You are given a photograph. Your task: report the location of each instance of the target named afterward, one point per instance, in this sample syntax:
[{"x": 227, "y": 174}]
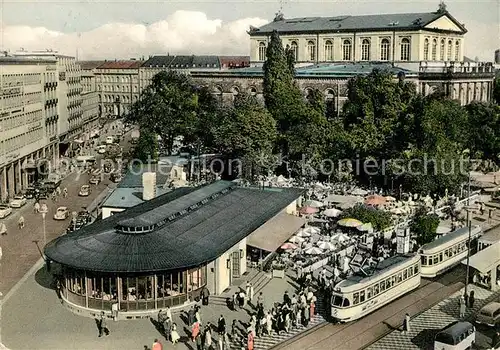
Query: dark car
[
  {"x": 51, "y": 186},
  {"x": 84, "y": 217},
  {"x": 74, "y": 226},
  {"x": 30, "y": 192}
]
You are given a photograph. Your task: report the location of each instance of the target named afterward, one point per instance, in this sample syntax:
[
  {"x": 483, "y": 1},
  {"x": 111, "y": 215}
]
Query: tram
[
  {"x": 359, "y": 295},
  {"x": 444, "y": 253}
]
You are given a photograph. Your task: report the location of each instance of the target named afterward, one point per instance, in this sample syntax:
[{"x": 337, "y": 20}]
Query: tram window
[
  {"x": 405, "y": 275},
  {"x": 436, "y": 259},
  {"x": 424, "y": 260},
  {"x": 369, "y": 293},
  {"x": 346, "y": 303},
  {"x": 362, "y": 296},
  {"x": 415, "y": 268},
  {"x": 440, "y": 256},
  {"x": 382, "y": 286},
  {"x": 375, "y": 289},
  {"x": 446, "y": 253},
  {"x": 399, "y": 277},
  {"x": 410, "y": 271},
  {"x": 356, "y": 298},
  {"x": 388, "y": 283},
  {"x": 337, "y": 300},
  {"x": 393, "y": 281},
  {"x": 454, "y": 250}
]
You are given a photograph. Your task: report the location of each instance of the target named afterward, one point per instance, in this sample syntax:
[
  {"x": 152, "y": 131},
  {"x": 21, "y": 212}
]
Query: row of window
[
  {"x": 113, "y": 98},
  {"x": 117, "y": 79},
  {"x": 435, "y": 259},
  {"x": 452, "y": 50},
  {"x": 21, "y": 140},
  {"x": 117, "y": 88},
  {"x": 384, "y": 52},
  {"x": 32, "y": 97},
  {"x": 14, "y": 121},
  {"x": 377, "y": 288},
  {"x": 12, "y": 101}
]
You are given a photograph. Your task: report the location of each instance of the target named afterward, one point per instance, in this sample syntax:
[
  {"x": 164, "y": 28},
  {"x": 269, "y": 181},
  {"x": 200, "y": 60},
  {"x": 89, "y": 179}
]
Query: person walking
[
  {"x": 65, "y": 192},
  {"x": 174, "y": 335},
  {"x": 197, "y": 315},
  {"x": 199, "y": 342},
  {"x": 260, "y": 299},
  {"x": 471, "y": 299},
  {"x": 221, "y": 325},
  {"x": 250, "y": 340},
  {"x": 114, "y": 311},
  {"x": 3, "y": 229},
  {"x": 462, "y": 307},
  {"x": 103, "y": 325},
  {"x": 36, "y": 208},
  {"x": 157, "y": 345},
  {"x": 205, "y": 293},
  {"x": 406, "y": 324},
  {"x": 167, "y": 328},
  {"x": 208, "y": 338},
  {"x": 195, "y": 330},
  {"x": 20, "y": 222}
]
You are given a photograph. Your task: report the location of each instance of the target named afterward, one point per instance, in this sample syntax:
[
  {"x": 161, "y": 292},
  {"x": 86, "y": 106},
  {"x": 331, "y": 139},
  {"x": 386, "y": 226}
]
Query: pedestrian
[
  {"x": 221, "y": 325},
  {"x": 195, "y": 330},
  {"x": 197, "y": 316},
  {"x": 157, "y": 345},
  {"x": 471, "y": 299},
  {"x": 103, "y": 325},
  {"x": 114, "y": 311},
  {"x": 167, "y": 328},
  {"x": 159, "y": 317},
  {"x": 462, "y": 307},
  {"x": 36, "y": 208},
  {"x": 208, "y": 338},
  {"x": 312, "y": 308},
  {"x": 174, "y": 335},
  {"x": 199, "y": 342},
  {"x": 234, "y": 331},
  {"x": 286, "y": 299},
  {"x": 406, "y": 324},
  {"x": 235, "y": 301},
  {"x": 168, "y": 313},
  {"x": 466, "y": 298},
  {"x": 65, "y": 192},
  {"x": 250, "y": 340},
  {"x": 242, "y": 298},
  {"x": 20, "y": 222},
  {"x": 260, "y": 299},
  {"x": 3, "y": 229},
  {"x": 191, "y": 316},
  {"x": 205, "y": 293}
]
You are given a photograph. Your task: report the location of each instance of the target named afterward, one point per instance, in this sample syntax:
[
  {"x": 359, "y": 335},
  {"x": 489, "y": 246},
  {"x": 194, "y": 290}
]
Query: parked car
[
  {"x": 489, "y": 314},
  {"x": 18, "y": 202},
  {"x": 84, "y": 191},
  {"x": 84, "y": 217},
  {"x": 101, "y": 149},
  {"x": 62, "y": 213},
  {"x": 5, "y": 211},
  {"x": 110, "y": 140},
  {"x": 74, "y": 226},
  {"x": 30, "y": 192}
]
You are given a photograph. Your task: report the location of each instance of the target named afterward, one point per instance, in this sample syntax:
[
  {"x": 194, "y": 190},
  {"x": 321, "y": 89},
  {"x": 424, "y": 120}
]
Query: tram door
[{"x": 236, "y": 265}]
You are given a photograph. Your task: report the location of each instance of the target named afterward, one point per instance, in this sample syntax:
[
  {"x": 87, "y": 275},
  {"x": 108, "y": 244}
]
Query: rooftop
[
  {"x": 457, "y": 234},
  {"x": 192, "y": 226},
  {"x": 127, "y": 197},
  {"x": 121, "y": 64},
  {"x": 380, "y": 22},
  {"x": 89, "y": 65}
]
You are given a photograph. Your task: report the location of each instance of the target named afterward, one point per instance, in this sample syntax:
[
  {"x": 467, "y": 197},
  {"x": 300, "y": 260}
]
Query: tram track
[{"x": 362, "y": 333}]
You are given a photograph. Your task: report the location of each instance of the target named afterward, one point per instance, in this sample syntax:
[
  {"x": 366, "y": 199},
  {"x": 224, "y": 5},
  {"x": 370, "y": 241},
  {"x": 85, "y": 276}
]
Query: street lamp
[
  {"x": 468, "y": 222},
  {"x": 44, "y": 210}
]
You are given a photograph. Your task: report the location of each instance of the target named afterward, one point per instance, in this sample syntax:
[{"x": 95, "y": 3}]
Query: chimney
[{"x": 148, "y": 185}]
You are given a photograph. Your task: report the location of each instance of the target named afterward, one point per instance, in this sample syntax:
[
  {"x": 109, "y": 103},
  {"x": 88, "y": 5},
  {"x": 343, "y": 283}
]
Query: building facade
[
  {"x": 497, "y": 56},
  {"x": 28, "y": 121}
]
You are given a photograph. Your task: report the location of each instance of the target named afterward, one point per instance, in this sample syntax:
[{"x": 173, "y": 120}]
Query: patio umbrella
[
  {"x": 359, "y": 192},
  {"x": 390, "y": 199},
  {"x": 349, "y": 222},
  {"x": 288, "y": 246},
  {"x": 332, "y": 212},
  {"x": 375, "y": 200},
  {"x": 303, "y": 234},
  {"x": 326, "y": 245},
  {"x": 308, "y": 210},
  {"x": 313, "y": 204},
  {"x": 313, "y": 251},
  {"x": 319, "y": 186},
  {"x": 368, "y": 227},
  {"x": 340, "y": 237},
  {"x": 442, "y": 229},
  {"x": 296, "y": 239},
  {"x": 311, "y": 230}
]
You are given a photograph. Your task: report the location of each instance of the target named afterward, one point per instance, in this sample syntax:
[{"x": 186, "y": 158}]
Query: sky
[{"x": 113, "y": 29}]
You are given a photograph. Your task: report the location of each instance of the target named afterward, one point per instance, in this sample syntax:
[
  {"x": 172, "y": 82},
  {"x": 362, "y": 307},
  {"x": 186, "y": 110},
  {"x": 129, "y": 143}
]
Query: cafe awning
[
  {"x": 486, "y": 259},
  {"x": 271, "y": 235}
]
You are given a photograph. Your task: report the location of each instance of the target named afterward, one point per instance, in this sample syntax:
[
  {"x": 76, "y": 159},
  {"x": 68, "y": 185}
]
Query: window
[
  {"x": 434, "y": 50},
  {"x": 375, "y": 290},
  {"x": 441, "y": 50},
  {"x": 262, "y": 52},
  {"x": 405, "y": 49},
  {"x": 356, "y": 299},
  {"x": 369, "y": 293},
  {"x": 405, "y": 274},
  {"x": 365, "y": 50},
  {"x": 346, "y": 50},
  {"x": 382, "y": 286},
  {"x": 426, "y": 49},
  {"x": 450, "y": 47},
  {"x": 384, "y": 50},
  {"x": 295, "y": 49},
  {"x": 424, "y": 260},
  {"x": 415, "y": 269},
  {"x": 400, "y": 277},
  {"x": 436, "y": 259},
  {"x": 311, "y": 51},
  {"x": 328, "y": 50},
  {"x": 362, "y": 296},
  {"x": 457, "y": 51}
]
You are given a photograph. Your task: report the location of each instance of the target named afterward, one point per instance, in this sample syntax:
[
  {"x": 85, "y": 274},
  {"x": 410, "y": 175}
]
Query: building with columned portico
[{"x": 164, "y": 251}]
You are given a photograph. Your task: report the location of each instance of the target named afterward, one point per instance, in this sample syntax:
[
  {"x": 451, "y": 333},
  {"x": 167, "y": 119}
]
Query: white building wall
[
  {"x": 107, "y": 212},
  {"x": 222, "y": 274}
]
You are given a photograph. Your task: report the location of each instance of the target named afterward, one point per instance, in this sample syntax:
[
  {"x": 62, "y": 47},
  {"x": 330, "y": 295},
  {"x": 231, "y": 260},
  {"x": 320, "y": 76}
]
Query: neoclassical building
[{"x": 426, "y": 48}]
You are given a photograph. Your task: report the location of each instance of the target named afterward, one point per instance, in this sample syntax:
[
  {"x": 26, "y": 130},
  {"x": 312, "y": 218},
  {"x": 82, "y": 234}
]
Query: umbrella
[
  {"x": 326, "y": 245},
  {"x": 332, "y": 212},
  {"x": 296, "y": 239},
  {"x": 303, "y": 234},
  {"x": 288, "y": 245},
  {"x": 311, "y": 230},
  {"x": 375, "y": 200},
  {"x": 349, "y": 222},
  {"x": 368, "y": 227},
  {"x": 319, "y": 186},
  {"x": 359, "y": 192},
  {"x": 442, "y": 229},
  {"x": 390, "y": 199},
  {"x": 313, "y": 251},
  {"x": 340, "y": 237},
  {"x": 308, "y": 210},
  {"x": 315, "y": 219},
  {"x": 397, "y": 211},
  {"x": 313, "y": 204}
]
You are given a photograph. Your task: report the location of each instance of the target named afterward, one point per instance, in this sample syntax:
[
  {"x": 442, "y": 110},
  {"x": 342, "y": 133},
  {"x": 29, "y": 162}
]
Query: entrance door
[{"x": 236, "y": 265}]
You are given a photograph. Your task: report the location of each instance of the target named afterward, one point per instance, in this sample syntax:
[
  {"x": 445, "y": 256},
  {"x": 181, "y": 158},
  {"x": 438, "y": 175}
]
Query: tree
[
  {"x": 246, "y": 133},
  {"x": 379, "y": 219},
  {"x": 168, "y": 107},
  {"x": 146, "y": 148},
  {"x": 496, "y": 89},
  {"x": 424, "y": 225},
  {"x": 483, "y": 130}
]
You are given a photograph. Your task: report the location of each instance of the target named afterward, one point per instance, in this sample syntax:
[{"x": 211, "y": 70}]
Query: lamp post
[
  {"x": 469, "y": 225},
  {"x": 44, "y": 210}
]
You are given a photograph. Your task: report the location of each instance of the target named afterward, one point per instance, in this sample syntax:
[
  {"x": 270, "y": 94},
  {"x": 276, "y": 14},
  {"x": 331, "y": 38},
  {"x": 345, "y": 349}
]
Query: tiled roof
[
  {"x": 158, "y": 61},
  {"x": 197, "y": 235},
  {"x": 121, "y": 64},
  {"x": 390, "y": 22},
  {"x": 234, "y": 61},
  {"x": 89, "y": 65},
  {"x": 195, "y": 62}
]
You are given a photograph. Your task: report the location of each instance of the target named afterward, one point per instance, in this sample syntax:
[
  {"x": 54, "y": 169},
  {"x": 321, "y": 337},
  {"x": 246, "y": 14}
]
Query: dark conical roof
[{"x": 181, "y": 229}]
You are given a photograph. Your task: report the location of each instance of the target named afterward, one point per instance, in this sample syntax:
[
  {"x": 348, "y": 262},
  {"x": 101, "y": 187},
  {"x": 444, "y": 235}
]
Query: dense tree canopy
[
  {"x": 380, "y": 219},
  {"x": 424, "y": 226}
]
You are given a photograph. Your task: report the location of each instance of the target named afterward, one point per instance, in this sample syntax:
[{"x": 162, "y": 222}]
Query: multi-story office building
[
  {"x": 117, "y": 86},
  {"x": 90, "y": 98},
  {"x": 28, "y": 121}
]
